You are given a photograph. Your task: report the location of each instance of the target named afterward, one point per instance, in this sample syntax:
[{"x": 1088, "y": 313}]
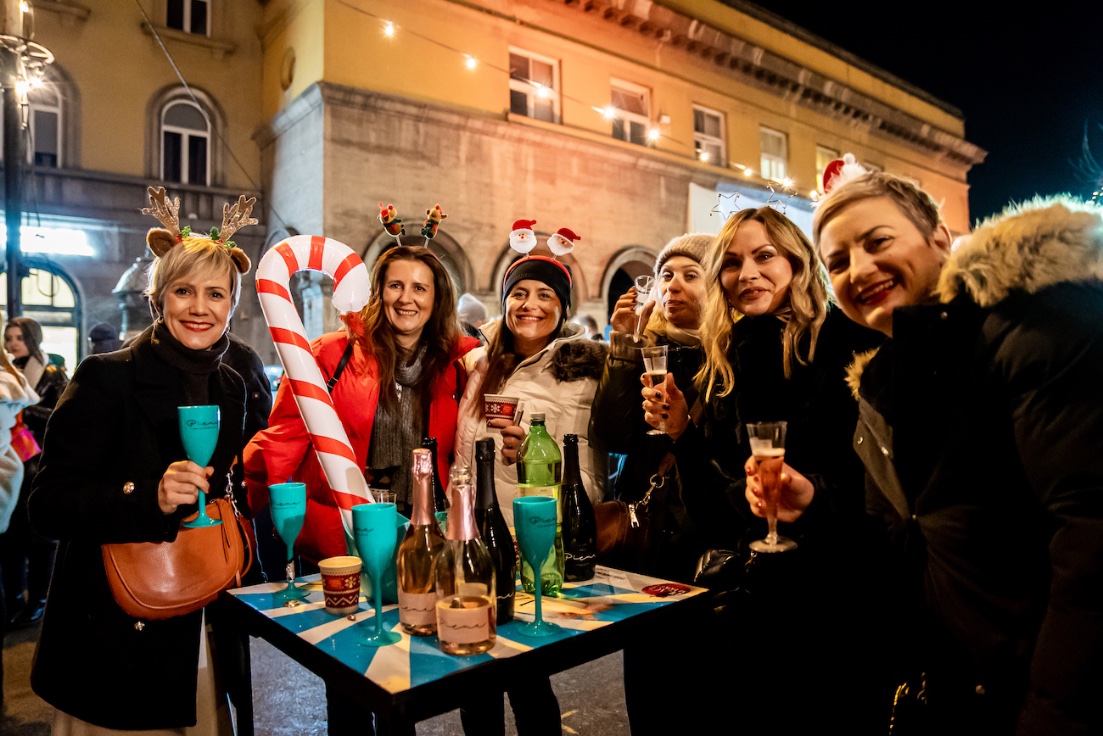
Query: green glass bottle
[{"x": 540, "y": 473}]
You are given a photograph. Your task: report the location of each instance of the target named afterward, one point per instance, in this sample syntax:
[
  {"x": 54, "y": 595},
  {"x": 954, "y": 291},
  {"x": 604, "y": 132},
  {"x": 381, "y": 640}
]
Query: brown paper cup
[{"x": 341, "y": 584}]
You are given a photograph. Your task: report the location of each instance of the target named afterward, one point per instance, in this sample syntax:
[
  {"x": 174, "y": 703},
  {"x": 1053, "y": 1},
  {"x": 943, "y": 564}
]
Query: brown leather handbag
[
  {"x": 624, "y": 529},
  {"x": 159, "y": 580}
]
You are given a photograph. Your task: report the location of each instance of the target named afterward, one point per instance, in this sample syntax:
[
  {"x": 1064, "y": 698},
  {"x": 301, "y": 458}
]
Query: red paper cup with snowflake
[{"x": 496, "y": 406}]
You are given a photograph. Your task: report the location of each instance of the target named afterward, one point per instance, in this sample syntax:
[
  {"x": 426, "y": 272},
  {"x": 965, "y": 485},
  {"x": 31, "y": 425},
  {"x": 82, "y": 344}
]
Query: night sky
[{"x": 1029, "y": 83}]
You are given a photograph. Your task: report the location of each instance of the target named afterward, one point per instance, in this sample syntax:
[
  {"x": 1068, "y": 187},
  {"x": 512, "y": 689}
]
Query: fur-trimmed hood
[{"x": 1029, "y": 246}]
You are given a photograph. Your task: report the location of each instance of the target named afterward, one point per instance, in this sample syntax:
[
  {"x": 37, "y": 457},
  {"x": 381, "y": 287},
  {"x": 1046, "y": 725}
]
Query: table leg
[
  {"x": 347, "y": 718},
  {"x": 244, "y": 703}
]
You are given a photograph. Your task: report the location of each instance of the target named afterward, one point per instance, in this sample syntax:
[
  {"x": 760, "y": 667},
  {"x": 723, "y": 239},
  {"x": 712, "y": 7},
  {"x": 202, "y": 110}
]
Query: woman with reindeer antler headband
[
  {"x": 113, "y": 470},
  {"x": 395, "y": 374},
  {"x": 776, "y": 348}
]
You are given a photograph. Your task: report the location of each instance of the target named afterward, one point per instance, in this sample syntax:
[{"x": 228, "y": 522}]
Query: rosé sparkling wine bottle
[
  {"x": 464, "y": 573},
  {"x": 417, "y": 597}
]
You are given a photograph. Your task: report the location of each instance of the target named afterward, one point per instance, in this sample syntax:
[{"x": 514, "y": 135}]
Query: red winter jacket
[{"x": 283, "y": 451}]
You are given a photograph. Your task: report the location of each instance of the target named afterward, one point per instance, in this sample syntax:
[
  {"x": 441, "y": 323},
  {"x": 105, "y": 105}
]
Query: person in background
[
  {"x": 472, "y": 314},
  {"x": 589, "y": 324},
  {"x": 401, "y": 381},
  {"x": 104, "y": 338},
  {"x": 776, "y": 349},
  {"x": 28, "y": 556},
  {"x": 981, "y": 430},
  {"x": 15, "y": 395},
  {"x": 532, "y": 353},
  {"x": 114, "y": 469}
]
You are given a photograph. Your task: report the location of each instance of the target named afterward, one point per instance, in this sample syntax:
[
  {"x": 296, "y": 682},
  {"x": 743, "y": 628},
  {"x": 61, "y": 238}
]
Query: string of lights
[{"x": 389, "y": 29}]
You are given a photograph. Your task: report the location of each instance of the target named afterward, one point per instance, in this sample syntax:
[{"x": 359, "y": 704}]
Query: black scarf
[{"x": 196, "y": 366}]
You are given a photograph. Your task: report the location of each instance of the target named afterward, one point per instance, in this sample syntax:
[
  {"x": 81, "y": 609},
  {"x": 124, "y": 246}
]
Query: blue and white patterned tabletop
[{"x": 611, "y": 596}]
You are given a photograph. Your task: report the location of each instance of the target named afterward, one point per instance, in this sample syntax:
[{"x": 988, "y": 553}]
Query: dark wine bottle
[
  {"x": 494, "y": 530},
  {"x": 579, "y": 524},
  {"x": 439, "y": 500}
]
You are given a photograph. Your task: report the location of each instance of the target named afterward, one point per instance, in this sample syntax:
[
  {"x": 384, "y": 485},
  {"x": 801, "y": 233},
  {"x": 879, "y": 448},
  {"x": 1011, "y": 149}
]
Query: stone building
[{"x": 627, "y": 121}]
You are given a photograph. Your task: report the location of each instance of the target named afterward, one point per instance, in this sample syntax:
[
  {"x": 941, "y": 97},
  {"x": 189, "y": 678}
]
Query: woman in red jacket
[{"x": 401, "y": 381}]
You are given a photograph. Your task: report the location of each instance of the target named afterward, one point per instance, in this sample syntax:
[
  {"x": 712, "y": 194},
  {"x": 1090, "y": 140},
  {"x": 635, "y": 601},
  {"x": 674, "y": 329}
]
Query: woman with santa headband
[{"x": 536, "y": 355}]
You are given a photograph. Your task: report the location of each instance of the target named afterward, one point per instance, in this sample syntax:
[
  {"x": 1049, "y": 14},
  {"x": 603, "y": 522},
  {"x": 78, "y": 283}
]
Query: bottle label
[
  {"x": 464, "y": 619},
  {"x": 416, "y": 609}
]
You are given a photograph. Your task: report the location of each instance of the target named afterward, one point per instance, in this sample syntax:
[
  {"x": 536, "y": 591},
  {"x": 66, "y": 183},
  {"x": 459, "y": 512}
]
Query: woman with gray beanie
[{"x": 617, "y": 426}]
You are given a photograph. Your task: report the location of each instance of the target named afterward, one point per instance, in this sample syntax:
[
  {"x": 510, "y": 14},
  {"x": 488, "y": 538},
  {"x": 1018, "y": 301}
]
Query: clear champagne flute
[
  {"x": 373, "y": 526},
  {"x": 768, "y": 447},
  {"x": 288, "y": 504},
  {"x": 644, "y": 285},
  {"x": 199, "y": 433},
  {"x": 654, "y": 367},
  {"x": 534, "y": 520}
]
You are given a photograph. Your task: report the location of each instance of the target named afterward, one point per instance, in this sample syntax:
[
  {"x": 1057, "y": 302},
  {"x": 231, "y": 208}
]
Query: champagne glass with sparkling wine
[
  {"x": 654, "y": 367},
  {"x": 199, "y": 433},
  {"x": 768, "y": 447},
  {"x": 288, "y": 504},
  {"x": 644, "y": 285},
  {"x": 534, "y": 518},
  {"x": 373, "y": 527}
]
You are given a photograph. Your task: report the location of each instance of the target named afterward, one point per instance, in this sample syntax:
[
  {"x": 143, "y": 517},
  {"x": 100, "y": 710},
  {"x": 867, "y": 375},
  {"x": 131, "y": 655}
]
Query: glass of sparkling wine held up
[
  {"x": 654, "y": 367},
  {"x": 768, "y": 447},
  {"x": 644, "y": 285}
]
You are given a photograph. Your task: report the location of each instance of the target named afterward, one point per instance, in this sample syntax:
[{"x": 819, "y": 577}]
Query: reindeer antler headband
[{"x": 162, "y": 240}]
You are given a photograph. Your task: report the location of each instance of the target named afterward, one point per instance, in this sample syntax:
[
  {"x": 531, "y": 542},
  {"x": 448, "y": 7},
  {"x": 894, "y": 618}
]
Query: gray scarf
[{"x": 395, "y": 436}]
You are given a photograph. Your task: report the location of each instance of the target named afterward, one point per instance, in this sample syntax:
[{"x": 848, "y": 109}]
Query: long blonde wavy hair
[{"x": 804, "y": 308}]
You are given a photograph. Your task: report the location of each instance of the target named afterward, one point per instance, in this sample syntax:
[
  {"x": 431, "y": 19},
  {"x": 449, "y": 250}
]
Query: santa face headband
[{"x": 550, "y": 271}]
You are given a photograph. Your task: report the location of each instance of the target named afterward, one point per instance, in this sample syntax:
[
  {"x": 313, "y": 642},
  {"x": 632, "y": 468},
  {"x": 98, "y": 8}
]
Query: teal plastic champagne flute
[
  {"x": 288, "y": 504},
  {"x": 199, "y": 433},
  {"x": 534, "y": 519},
  {"x": 373, "y": 528}
]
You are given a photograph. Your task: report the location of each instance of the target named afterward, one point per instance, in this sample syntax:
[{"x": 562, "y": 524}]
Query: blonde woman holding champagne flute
[{"x": 776, "y": 350}]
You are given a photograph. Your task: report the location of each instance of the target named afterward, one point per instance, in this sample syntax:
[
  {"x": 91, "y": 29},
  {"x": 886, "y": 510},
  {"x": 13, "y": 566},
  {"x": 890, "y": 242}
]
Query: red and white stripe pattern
[{"x": 351, "y": 289}]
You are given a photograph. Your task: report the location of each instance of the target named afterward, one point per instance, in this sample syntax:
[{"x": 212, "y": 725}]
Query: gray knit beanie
[{"x": 691, "y": 245}]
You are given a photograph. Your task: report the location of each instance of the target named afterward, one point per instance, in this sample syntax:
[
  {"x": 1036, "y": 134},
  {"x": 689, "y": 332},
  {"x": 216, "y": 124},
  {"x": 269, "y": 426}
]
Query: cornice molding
[{"x": 765, "y": 70}]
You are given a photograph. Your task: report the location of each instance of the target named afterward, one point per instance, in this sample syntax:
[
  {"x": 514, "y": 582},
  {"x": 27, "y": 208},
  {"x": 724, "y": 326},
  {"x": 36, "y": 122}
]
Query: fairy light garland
[{"x": 607, "y": 111}]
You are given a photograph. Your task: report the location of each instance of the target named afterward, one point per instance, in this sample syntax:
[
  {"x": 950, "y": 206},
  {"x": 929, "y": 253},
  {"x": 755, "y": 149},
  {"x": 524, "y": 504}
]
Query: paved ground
[{"x": 591, "y": 697}]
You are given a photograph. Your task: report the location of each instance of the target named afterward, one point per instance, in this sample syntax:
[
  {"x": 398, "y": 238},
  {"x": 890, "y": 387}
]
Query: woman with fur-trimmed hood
[{"x": 981, "y": 426}]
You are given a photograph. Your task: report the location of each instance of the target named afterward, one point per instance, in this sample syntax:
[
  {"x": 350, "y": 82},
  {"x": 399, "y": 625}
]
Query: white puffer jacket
[
  {"x": 16, "y": 394},
  {"x": 559, "y": 381}
]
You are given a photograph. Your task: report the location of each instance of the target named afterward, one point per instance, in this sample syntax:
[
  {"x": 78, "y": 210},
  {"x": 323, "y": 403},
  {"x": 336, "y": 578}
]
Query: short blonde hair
[
  {"x": 198, "y": 257},
  {"x": 916, "y": 204}
]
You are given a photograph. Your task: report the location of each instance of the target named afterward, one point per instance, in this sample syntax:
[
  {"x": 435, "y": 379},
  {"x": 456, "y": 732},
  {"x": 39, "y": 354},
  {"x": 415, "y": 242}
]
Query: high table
[{"x": 414, "y": 680}]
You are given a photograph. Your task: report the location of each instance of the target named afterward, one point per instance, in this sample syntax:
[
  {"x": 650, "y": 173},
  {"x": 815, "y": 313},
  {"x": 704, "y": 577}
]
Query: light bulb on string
[
  {"x": 470, "y": 61},
  {"x": 653, "y": 134},
  {"x": 609, "y": 112},
  {"x": 388, "y": 29}
]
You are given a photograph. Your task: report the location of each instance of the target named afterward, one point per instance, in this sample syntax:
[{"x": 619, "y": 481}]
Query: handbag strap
[{"x": 340, "y": 367}]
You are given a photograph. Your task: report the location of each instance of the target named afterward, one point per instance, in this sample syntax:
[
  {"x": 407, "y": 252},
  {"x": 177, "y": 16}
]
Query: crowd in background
[{"x": 941, "y": 478}]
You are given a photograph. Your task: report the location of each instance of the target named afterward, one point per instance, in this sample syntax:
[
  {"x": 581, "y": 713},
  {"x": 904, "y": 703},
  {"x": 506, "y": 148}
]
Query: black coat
[
  {"x": 116, "y": 425},
  {"x": 617, "y": 426},
  {"x": 801, "y": 616}
]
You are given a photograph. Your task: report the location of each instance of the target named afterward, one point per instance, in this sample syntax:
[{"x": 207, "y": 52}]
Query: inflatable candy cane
[{"x": 351, "y": 289}]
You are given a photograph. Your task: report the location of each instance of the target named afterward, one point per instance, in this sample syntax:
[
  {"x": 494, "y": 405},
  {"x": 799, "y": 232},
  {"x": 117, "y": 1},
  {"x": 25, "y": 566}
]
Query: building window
[
  {"x": 824, "y": 156},
  {"x": 775, "y": 154},
  {"x": 45, "y": 128},
  {"x": 708, "y": 136},
  {"x": 190, "y": 16},
  {"x": 631, "y": 112},
  {"x": 185, "y": 144},
  {"x": 533, "y": 86}
]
